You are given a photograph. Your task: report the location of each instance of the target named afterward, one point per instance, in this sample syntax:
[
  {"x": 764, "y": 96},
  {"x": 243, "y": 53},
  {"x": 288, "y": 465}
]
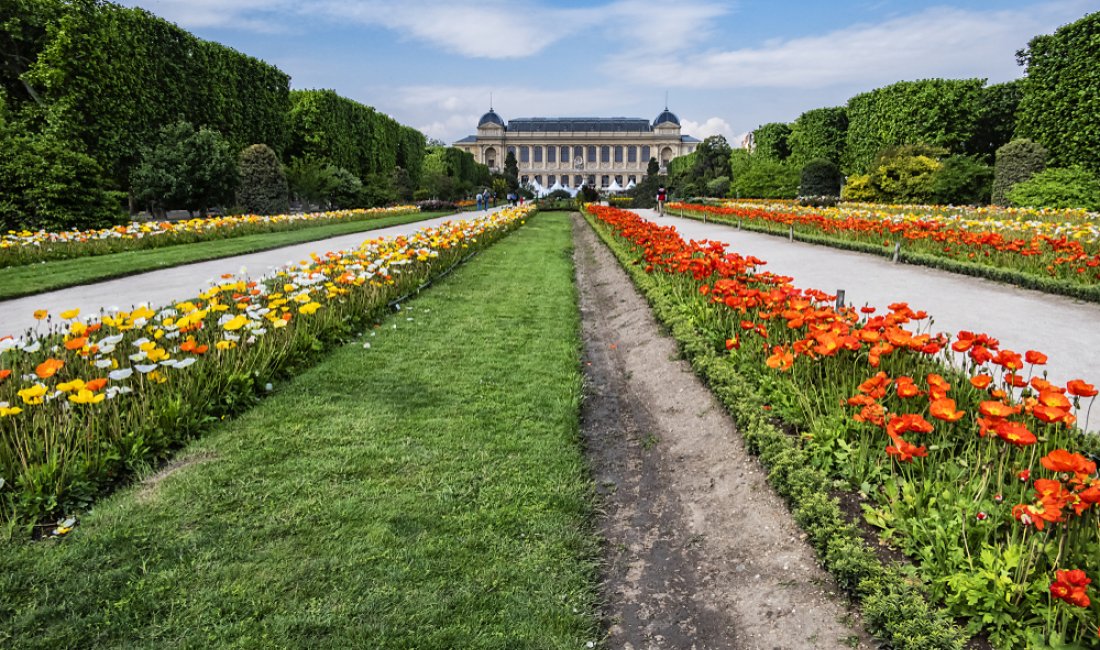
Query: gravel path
[
  {"x": 1067, "y": 330},
  {"x": 700, "y": 553},
  {"x": 182, "y": 282}
]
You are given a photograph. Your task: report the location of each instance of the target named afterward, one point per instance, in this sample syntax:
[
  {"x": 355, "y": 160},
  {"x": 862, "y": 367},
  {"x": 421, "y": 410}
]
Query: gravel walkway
[
  {"x": 182, "y": 282},
  {"x": 1067, "y": 330}
]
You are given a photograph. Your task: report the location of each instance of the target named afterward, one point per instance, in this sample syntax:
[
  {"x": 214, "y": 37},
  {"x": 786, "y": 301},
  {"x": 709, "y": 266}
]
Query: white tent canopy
[{"x": 614, "y": 187}]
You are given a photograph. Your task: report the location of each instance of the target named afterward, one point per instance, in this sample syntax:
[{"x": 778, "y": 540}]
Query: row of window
[
  {"x": 528, "y": 154},
  {"x": 578, "y": 180}
]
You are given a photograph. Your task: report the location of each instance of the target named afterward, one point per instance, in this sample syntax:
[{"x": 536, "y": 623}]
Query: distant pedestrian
[
  {"x": 662, "y": 196},
  {"x": 478, "y": 199}
]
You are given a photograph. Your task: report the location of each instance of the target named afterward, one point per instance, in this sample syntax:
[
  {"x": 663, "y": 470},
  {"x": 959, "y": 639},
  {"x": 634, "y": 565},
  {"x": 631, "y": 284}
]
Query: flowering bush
[
  {"x": 85, "y": 401},
  {"x": 29, "y": 247},
  {"x": 1062, "y": 244},
  {"x": 965, "y": 455}
]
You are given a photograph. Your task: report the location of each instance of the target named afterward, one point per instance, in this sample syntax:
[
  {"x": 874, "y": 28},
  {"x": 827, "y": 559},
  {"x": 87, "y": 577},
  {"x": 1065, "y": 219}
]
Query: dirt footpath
[{"x": 700, "y": 552}]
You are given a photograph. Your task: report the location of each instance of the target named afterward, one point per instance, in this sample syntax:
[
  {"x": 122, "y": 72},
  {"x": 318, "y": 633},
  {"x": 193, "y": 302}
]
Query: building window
[
  {"x": 632, "y": 154},
  {"x": 605, "y": 181},
  {"x": 551, "y": 179},
  {"x": 551, "y": 154},
  {"x": 631, "y": 179},
  {"x": 538, "y": 154},
  {"x": 619, "y": 153},
  {"x": 538, "y": 179},
  {"x": 512, "y": 150},
  {"x": 565, "y": 181},
  {"x": 646, "y": 155},
  {"x": 525, "y": 154},
  {"x": 592, "y": 180},
  {"x": 578, "y": 181},
  {"x": 619, "y": 180},
  {"x": 605, "y": 154},
  {"x": 591, "y": 154},
  {"x": 578, "y": 153},
  {"x": 523, "y": 179},
  {"x": 565, "y": 154}
]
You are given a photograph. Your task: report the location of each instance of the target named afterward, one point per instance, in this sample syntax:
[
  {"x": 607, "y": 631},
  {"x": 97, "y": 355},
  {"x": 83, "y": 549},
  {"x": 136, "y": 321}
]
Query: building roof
[
  {"x": 688, "y": 138},
  {"x": 470, "y": 139},
  {"x": 666, "y": 116},
  {"x": 490, "y": 118},
  {"x": 578, "y": 124}
]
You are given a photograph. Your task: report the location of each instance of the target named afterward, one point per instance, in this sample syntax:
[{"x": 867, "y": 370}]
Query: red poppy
[
  {"x": 1035, "y": 358},
  {"x": 981, "y": 382},
  {"x": 1061, "y": 460},
  {"x": 1014, "y": 433},
  {"x": 904, "y": 451},
  {"x": 1081, "y": 389}
]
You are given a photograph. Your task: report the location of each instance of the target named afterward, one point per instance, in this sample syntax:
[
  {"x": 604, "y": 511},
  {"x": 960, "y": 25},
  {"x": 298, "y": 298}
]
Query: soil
[{"x": 699, "y": 551}]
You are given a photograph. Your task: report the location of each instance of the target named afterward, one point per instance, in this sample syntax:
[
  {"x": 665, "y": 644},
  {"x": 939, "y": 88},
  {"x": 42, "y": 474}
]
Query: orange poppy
[
  {"x": 1081, "y": 389},
  {"x": 944, "y": 409},
  {"x": 905, "y": 451},
  {"x": 1049, "y": 414},
  {"x": 997, "y": 409},
  {"x": 4, "y": 374},
  {"x": 49, "y": 368},
  {"x": 981, "y": 382},
  {"x": 1055, "y": 399},
  {"x": 96, "y": 384},
  {"x": 906, "y": 388},
  {"x": 1014, "y": 433},
  {"x": 1034, "y": 357},
  {"x": 1061, "y": 460},
  {"x": 77, "y": 343}
]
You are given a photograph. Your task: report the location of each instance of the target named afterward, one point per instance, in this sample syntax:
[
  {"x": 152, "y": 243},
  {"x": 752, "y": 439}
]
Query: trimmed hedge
[
  {"x": 819, "y": 133},
  {"x": 894, "y": 607},
  {"x": 772, "y": 141}
]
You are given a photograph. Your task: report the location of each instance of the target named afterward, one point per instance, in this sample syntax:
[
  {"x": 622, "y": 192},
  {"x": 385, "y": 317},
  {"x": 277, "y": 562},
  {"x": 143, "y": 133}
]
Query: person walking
[
  {"x": 478, "y": 199},
  {"x": 662, "y": 196}
]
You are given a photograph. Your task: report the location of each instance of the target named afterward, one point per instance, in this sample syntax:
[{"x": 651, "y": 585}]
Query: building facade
[{"x": 575, "y": 151}]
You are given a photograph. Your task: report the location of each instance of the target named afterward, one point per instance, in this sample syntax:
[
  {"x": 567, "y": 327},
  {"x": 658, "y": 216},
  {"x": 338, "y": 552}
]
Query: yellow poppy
[
  {"x": 71, "y": 313},
  {"x": 85, "y": 396}
]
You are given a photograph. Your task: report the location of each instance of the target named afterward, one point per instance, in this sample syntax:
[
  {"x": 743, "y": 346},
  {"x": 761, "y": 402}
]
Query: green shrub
[
  {"x": 51, "y": 184},
  {"x": 820, "y": 177},
  {"x": 858, "y": 188},
  {"x": 759, "y": 177},
  {"x": 1058, "y": 187},
  {"x": 263, "y": 186},
  {"x": 962, "y": 181},
  {"x": 819, "y": 133},
  {"x": 1016, "y": 162},
  {"x": 186, "y": 169}
]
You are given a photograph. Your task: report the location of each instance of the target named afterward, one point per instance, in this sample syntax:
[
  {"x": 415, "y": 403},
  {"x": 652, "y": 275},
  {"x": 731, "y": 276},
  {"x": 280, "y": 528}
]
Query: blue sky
[{"x": 727, "y": 66}]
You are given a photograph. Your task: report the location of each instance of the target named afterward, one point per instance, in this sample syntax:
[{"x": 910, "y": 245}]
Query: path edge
[{"x": 895, "y": 610}]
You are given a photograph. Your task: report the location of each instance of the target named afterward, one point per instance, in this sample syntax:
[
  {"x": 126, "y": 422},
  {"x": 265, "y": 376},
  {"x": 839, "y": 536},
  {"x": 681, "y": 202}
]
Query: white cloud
[
  {"x": 703, "y": 130},
  {"x": 940, "y": 41},
  {"x": 492, "y": 29}
]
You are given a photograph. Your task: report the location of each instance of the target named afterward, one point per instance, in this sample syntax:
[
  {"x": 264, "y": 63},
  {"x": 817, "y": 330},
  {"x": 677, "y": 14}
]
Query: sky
[{"x": 726, "y": 66}]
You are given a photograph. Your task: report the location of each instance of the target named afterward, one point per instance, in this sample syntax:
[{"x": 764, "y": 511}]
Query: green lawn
[
  {"x": 38, "y": 278},
  {"x": 426, "y": 492}
]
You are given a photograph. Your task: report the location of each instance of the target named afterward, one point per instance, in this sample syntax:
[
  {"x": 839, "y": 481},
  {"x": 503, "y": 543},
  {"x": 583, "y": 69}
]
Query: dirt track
[{"x": 699, "y": 551}]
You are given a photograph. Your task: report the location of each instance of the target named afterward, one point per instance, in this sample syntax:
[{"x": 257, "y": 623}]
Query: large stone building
[{"x": 595, "y": 151}]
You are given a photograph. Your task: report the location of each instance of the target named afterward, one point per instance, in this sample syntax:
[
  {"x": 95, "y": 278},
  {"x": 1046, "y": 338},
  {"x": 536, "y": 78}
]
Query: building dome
[
  {"x": 490, "y": 118},
  {"x": 665, "y": 116}
]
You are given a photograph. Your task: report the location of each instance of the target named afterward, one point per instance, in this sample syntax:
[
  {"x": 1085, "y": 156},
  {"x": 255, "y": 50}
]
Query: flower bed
[
  {"x": 1057, "y": 251},
  {"x": 29, "y": 247},
  {"x": 960, "y": 452},
  {"x": 86, "y": 402}
]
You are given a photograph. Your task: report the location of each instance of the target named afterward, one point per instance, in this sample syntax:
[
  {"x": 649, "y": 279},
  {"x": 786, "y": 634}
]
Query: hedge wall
[
  {"x": 111, "y": 76},
  {"x": 1060, "y": 107},
  {"x": 326, "y": 126},
  {"x": 940, "y": 112},
  {"x": 772, "y": 141},
  {"x": 819, "y": 133}
]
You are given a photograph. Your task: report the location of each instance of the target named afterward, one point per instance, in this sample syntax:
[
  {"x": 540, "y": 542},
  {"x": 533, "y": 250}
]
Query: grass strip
[
  {"x": 428, "y": 492},
  {"x": 994, "y": 273},
  {"x": 895, "y": 609},
  {"x": 31, "y": 279}
]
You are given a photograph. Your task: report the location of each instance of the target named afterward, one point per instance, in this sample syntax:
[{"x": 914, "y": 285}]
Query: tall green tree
[
  {"x": 511, "y": 171},
  {"x": 188, "y": 168},
  {"x": 1060, "y": 107}
]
